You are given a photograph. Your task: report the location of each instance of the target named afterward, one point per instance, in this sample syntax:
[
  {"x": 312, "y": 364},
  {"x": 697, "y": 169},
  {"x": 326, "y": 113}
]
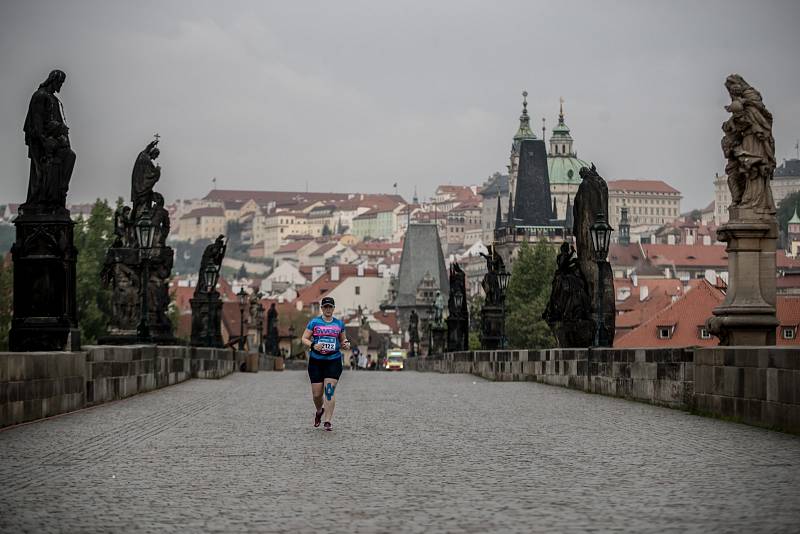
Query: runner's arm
[
  {"x": 306, "y": 339},
  {"x": 343, "y": 340}
]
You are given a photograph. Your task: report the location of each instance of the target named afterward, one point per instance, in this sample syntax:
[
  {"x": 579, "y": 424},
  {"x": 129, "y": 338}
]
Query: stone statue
[
  {"x": 160, "y": 221},
  {"x": 413, "y": 332},
  {"x": 438, "y": 308},
  {"x": 458, "y": 314},
  {"x": 591, "y": 201},
  {"x": 272, "y": 330},
  {"x": 47, "y": 137},
  {"x": 491, "y": 283},
  {"x": 749, "y": 146},
  {"x": 569, "y": 310},
  {"x": 212, "y": 255},
  {"x": 144, "y": 176},
  {"x": 123, "y": 230}
]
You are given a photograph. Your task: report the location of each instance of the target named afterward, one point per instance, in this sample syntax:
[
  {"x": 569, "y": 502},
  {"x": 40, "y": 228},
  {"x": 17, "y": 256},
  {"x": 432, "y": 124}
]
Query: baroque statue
[
  {"x": 413, "y": 332},
  {"x": 272, "y": 331},
  {"x": 143, "y": 178},
  {"x": 749, "y": 147},
  {"x": 490, "y": 282},
  {"x": 212, "y": 256},
  {"x": 591, "y": 201},
  {"x": 52, "y": 158},
  {"x": 569, "y": 310},
  {"x": 458, "y": 314}
]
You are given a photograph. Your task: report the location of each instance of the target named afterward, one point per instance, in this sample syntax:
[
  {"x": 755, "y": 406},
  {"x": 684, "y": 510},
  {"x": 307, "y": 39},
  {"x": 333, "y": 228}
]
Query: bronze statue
[
  {"x": 749, "y": 146},
  {"x": 413, "y": 333},
  {"x": 143, "y": 178},
  {"x": 438, "y": 308},
  {"x": 47, "y": 137},
  {"x": 122, "y": 228},
  {"x": 569, "y": 310}
]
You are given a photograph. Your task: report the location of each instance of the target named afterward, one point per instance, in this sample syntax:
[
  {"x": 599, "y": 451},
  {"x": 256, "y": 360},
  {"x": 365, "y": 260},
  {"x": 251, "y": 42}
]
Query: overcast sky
[{"x": 354, "y": 96}]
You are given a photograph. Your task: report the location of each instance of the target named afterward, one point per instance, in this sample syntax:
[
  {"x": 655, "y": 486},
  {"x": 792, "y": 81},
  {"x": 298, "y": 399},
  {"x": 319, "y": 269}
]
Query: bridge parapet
[{"x": 754, "y": 385}]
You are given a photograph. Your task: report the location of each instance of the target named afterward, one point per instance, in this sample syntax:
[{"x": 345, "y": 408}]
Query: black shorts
[{"x": 319, "y": 370}]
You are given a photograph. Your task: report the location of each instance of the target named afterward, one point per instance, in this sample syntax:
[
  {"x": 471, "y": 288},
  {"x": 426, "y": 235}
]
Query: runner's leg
[
  {"x": 317, "y": 394},
  {"x": 329, "y": 398}
]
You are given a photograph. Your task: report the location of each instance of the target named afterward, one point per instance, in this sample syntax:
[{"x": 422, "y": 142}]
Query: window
[
  {"x": 664, "y": 332},
  {"x": 704, "y": 333},
  {"x": 358, "y": 290},
  {"x": 788, "y": 333}
]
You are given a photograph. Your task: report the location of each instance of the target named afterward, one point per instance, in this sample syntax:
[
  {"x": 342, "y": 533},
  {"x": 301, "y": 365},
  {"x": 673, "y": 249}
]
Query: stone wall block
[
  {"x": 755, "y": 383},
  {"x": 745, "y": 357},
  {"x": 688, "y": 371},
  {"x": 772, "y": 385},
  {"x": 643, "y": 370}
]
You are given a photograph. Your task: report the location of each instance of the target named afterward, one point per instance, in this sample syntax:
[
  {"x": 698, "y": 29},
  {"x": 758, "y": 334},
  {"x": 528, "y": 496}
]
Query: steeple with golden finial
[{"x": 524, "y": 131}]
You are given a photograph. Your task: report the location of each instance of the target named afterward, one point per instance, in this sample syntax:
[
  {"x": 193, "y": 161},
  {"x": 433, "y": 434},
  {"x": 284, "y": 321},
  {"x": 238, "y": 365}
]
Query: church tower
[
  {"x": 624, "y": 227},
  {"x": 524, "y": 133}
]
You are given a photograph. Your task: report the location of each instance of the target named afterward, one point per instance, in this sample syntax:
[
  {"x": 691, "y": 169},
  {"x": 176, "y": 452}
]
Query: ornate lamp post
[
  {"x": 503, "y": 278},
  {"x": 600, "y": 233},
  {"x": 211, "y": 278},
  {"x": 242, "y": 295},
  {"x": 144, "y": 234}
]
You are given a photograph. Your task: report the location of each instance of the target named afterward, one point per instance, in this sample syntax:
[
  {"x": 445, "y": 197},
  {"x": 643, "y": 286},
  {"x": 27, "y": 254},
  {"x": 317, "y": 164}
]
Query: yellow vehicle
[
  {"x": 397, "y": 352},
  {"x": 394, "y": 362}
]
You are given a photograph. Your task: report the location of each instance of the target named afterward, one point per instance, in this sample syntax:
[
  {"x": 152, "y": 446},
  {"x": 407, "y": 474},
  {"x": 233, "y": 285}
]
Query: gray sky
[{"x": 355, "y": 95}]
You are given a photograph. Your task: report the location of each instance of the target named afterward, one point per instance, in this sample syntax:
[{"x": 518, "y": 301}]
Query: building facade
[{"x": 650, "y": 203}]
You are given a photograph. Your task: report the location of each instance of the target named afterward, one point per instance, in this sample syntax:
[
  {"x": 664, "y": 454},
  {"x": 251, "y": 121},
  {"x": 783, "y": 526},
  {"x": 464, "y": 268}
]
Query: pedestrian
[{"x": 325, "y": 336}]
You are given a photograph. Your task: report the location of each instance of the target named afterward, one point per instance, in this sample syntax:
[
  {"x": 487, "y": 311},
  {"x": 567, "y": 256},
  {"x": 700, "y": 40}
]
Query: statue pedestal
[
  {"x": 457, "y": 334},
  {"x": 206, "y": 320},
  {"x": 438, "y": 339},
  {"x": 492, "y": 327},
  {"x": 44, "y": 256},
  {"x": 747, "y": 317}
]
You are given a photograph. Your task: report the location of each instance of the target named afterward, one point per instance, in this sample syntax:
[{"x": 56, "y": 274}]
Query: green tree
[
  {"x": 93, "y": 236},
  {"x": 326, "y": 231},
  {"x": 527, "y": 296},
  {"x": 786, "y": 209},
  {"x": 6, "y": 298}
]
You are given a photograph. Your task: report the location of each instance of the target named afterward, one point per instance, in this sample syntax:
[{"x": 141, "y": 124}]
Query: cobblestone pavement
[{"x": 410, "y": 452}]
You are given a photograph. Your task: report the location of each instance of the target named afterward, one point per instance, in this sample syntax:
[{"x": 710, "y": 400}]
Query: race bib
[{"x": 327, "y": 344}]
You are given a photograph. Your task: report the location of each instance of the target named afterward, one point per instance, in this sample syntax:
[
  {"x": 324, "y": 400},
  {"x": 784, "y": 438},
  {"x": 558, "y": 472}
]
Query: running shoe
[
  {"x": 328, "y": 427},
  {"x": 318, "y": 417}
]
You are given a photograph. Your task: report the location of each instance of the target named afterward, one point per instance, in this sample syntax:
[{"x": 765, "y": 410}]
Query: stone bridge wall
[
  {"x": 37, "y": 384},
  {"x": 754, "y": 385}
]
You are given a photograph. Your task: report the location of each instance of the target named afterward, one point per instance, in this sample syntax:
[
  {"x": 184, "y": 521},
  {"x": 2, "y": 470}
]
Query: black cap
[{"x": 326, "y": 301}]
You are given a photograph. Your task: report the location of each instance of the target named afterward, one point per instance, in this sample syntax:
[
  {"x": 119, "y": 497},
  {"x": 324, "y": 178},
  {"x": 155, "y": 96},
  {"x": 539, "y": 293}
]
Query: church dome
[{"x": 565, "y": 169}]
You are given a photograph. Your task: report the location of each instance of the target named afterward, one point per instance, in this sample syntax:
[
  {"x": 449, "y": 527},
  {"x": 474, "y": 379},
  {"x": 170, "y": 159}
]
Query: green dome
[{"x": 565, "y": 169}]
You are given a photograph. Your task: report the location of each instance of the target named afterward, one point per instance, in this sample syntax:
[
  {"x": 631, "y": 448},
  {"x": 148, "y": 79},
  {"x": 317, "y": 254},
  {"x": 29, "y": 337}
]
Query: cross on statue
[{"x": 156, "y": 136}]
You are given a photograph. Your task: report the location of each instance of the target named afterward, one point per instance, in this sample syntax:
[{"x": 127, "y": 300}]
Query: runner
[{"x": 325, "y": 335}]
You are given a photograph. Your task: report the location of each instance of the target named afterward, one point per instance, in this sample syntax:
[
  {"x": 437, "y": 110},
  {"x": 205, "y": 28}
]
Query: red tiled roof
[
  {"x": 624, "y": 254},
  {"x": 389, "y": 319},
  {"x": 643, "y": 186},
  {"x": 789, "y": 281},
  {"x": 687, "y": 255},
  {"x": 323, "y": 249},
  {"x": 788, "y": 308},
  {"x": 785, "y": 262},
  {"x": 685, "y": 316},
  {"x": 205, "y": 212},
  {"x": 292, "y": 246}
]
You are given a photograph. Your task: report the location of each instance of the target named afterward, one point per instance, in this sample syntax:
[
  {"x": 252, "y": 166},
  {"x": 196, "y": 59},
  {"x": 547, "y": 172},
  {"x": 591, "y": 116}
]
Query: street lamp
[
  {"x": 503, "y": 278},
  {"x": 242, "y": 295},
  {"x": 600, "y": 233},
  {"x": 211, "y": 275},
  {"x": 144, "y": 234}
]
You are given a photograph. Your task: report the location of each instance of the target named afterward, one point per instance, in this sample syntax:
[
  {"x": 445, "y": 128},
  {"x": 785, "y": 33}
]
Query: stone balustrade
[
  {"x": 42, "y": 384},
  {"x": 754, "y": 385}
]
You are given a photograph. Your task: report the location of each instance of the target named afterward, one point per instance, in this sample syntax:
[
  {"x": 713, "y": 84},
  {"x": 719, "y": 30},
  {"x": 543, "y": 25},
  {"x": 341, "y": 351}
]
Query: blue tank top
[{"x": 328, "y": 335}]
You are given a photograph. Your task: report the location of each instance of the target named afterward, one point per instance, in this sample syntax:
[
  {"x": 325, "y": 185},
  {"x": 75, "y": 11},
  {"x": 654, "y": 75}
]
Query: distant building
[
  {"x": 461, "y": 220},
  {"x": 496, "y": 185},
  {"x": 422, "y": 260},
  {"x": 786, "y": 179},
  {"x": 722, "y": 199},
  {"x": 650, "y": 203},
  {"x": 563, "y": 167},
  {"x": 202, "y": 223}
]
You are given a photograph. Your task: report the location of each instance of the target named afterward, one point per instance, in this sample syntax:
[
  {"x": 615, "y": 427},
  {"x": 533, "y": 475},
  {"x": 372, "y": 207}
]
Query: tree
[
  {"x": 326, "y": 230},
  {"x": 527, "y": 296},
  {"x": 93, "y": 236},
  {"x": 786, "y": 209},
  {"x": 6, "y": 298}
]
